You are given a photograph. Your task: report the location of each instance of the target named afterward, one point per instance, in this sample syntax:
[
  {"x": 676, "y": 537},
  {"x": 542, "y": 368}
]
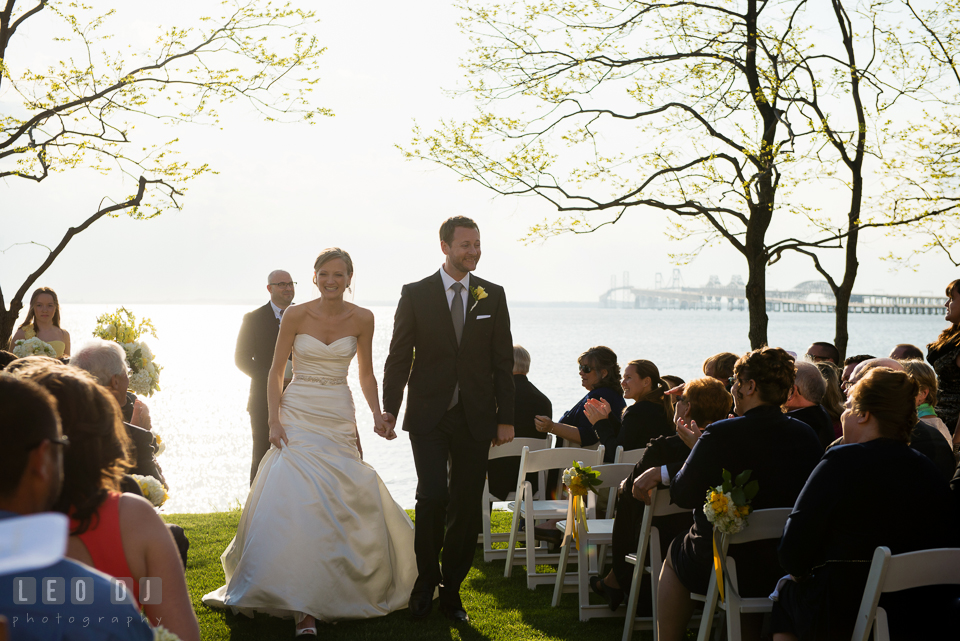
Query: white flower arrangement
[
  {"x": 33, "y": 347},
  {"x": 152, "y": 489},
  {"x": 160, "y": 633},
  {"x": 122, "y": 327}
]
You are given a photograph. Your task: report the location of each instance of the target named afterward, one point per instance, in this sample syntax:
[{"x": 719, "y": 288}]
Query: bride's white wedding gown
[{"x": 320, "y": 534}]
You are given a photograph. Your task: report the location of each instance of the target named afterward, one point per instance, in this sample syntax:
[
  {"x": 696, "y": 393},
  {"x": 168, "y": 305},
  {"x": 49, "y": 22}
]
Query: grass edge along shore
[{"x": 500, "y": 609}]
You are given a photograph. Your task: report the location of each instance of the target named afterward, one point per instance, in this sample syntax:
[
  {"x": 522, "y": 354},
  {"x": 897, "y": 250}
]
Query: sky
[{"x": 283, "y": 192}]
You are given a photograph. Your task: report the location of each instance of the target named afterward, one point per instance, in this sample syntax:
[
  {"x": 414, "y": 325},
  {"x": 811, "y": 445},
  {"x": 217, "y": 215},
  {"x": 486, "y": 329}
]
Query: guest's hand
[
  {"x": 689, "y": 433},
  {"x": 504, "y": 434},
  {"x": 543, "y": 423},
  {"x": 277, "y": 434},
  {"x": 596, "y": 410},
  {"x": 141, "y": 415},
  {"x": 646, "y": 482}
]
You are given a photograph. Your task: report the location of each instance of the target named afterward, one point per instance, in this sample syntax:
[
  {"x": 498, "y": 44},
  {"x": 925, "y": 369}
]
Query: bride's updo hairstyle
[
  {"x": 329, "y": 254},
  {"x": 890, "y": 397},
  {"x": 772, "y": 369}
]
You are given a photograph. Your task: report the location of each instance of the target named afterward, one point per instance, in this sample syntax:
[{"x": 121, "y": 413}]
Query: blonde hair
[
  {"x": 521, "y": 360},
  {"x": 331, "y": 253},
  {"x": 924, "y": 375}
]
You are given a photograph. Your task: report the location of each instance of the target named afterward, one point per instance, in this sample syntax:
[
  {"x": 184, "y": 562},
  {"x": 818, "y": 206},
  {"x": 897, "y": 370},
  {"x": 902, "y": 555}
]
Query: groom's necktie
[{"x": 456, "y": 312}]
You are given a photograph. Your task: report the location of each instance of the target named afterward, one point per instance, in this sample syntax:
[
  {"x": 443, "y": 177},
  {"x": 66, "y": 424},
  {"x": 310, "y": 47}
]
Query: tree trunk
[
  {"x": 7, "y": 320},
  {"x": 843, "y": 293},
  {"x": 756, "y": 291}
]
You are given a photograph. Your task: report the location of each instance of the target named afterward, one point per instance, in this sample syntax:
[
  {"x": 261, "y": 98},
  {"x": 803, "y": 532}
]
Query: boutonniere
[{"x": 478, "y": 295}]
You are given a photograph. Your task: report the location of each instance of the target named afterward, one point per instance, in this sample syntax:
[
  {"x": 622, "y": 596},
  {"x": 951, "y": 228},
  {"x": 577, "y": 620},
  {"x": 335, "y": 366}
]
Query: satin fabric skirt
[{"x": 320, "y": 534}]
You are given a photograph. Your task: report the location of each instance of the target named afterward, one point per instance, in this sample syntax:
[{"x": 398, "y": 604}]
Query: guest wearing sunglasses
[{"x": 600, "y": 376}]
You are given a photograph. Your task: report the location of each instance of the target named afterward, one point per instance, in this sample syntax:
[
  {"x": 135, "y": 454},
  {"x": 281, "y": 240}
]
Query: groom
[{"x": 460, "y": 399}]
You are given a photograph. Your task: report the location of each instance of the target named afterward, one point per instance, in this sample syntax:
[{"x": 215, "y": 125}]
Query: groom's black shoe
[
  {"x": 421, "y": 604},
  {"x": 451, "y": 606}
]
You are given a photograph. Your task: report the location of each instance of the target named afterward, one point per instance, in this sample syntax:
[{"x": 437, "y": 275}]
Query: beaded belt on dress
[{"x": 323, "y": 380}]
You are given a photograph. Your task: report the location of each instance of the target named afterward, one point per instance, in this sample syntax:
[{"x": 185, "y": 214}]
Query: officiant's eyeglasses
[
  {"x": 63, "y": 442},
  {"x": 586, "y": 369},
  {"x": 284, "y": 285}
]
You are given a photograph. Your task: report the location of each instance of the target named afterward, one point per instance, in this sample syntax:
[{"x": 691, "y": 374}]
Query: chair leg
[
  {"x": 632, "y": 600},
  {"x": 531, "y": 548},
  {"x": 583, "y": 574},
  {"x": 561, "y": 575},
  {"x": 512, "y": 543}
]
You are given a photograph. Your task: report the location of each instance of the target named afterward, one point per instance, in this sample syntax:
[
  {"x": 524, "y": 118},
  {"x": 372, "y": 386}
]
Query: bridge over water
[{"x": 808, "y": 296}]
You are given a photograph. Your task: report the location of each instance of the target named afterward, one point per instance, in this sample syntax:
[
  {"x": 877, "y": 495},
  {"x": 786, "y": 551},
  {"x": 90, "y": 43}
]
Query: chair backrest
[
  {"x": 628, "y": 456},
  {"x": 515, "y": 447},
  {"x": 901, "y": 572},
  {"x": 762, "y": 524},
  {"x": 662, "y": 505},
  {"x": 611, "y": 475},
  {"x": 557, "y": 458}
]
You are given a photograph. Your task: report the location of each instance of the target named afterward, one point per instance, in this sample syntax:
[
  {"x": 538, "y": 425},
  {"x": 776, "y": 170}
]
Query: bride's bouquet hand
[{"x": 277, "y": 434}]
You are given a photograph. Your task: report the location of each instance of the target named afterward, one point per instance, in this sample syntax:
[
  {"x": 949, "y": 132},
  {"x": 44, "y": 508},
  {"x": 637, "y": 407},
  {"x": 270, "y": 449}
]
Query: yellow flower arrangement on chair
[{"x": 579, "y": 480}]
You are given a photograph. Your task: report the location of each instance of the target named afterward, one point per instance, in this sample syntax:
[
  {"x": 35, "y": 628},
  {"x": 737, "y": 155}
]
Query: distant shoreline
[{"x": 366, "y": 303}]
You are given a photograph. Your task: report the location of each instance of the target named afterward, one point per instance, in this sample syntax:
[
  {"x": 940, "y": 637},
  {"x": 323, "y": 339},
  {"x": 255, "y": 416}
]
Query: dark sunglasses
[{"x": 586, "y": 369}]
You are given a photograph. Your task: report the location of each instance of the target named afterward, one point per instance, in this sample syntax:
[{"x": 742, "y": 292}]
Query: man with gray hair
[
  {"x": 804, "y": 401},
  {"x": 107, "y": 362},
  {"x": 254, "y": 355}
]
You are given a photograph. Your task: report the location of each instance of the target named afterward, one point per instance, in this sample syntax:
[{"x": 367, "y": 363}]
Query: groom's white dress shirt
[{"x": 448, "y": 282}]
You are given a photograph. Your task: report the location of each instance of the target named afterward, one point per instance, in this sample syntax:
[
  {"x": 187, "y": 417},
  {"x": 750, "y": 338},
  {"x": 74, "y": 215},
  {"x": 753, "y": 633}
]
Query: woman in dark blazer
[
  {"x": 780, "y": 451},
  {"x": 873, "y": 491},
  {"x": 648, "y": 417},
  {"x": 600, "y": 376},
  {"x": 700, "y": 402}
]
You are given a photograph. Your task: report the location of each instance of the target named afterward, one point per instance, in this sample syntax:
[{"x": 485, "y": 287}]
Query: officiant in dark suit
[
  {"x": 258, "y": 337},
  {"x": 460, "y": 399}
]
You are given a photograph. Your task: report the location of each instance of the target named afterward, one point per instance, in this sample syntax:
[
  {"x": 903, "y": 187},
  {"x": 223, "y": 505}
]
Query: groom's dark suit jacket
[
  {"x": 483, "y": 362},
  {"x": 254, "y": 355}
]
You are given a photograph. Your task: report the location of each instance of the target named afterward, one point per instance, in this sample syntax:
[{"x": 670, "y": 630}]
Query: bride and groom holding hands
[{"x": 320, "y": 536}]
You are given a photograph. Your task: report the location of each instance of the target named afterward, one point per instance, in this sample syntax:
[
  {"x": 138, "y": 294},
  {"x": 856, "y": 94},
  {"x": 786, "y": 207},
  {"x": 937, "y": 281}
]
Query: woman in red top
[{"x": 119, "y": 534}]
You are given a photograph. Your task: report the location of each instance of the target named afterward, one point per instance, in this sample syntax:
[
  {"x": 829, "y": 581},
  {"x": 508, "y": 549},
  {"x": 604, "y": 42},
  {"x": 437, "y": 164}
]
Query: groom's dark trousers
[{"x": 448, "y": 514}]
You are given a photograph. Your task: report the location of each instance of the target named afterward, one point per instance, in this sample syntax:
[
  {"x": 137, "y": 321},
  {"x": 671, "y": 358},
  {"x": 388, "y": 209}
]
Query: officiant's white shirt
[{"x": 448, "y": 282}]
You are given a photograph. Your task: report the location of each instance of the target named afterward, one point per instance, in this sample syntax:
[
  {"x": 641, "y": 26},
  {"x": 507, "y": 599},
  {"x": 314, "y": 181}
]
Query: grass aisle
[{"x": 500, "y": 609}]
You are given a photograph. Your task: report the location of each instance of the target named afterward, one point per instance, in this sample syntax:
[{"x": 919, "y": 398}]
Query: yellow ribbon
[
  {"x": 717, "y": 565},
  {"x": 576, "y": 519}
]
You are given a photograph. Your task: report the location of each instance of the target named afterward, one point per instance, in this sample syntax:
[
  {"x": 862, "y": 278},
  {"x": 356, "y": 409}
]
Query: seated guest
[
  {"x": 906, "y": 352},
  {"x": 926, "y": 379},
  {"x": 823, "y": 352},
  {"x": 849, "y": 365},
  {"x": 720, "y": 367},
  {"x": 119, "y": 534},
  {"x": 924, "y": 438},
  {"x": 529, "y": 402},
  {"x": 833, "y": 397},
  {"x": 107, "y": 362},
  {"x": 647, "y": 418},
  {"x": 600, "y": 376},
  {"x": 873, "y": 491},
  {"x": 701, "y": 402},
  {"x": 781, "y": 452},
  {"x": 804, "y": 401},
  {"x": 673, "y": 382},
  {"x": 31, "y": 473}
]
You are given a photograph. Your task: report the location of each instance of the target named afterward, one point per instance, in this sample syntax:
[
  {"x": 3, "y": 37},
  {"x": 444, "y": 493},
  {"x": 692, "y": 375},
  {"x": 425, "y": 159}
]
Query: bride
[{"x": 320, "y": 536}]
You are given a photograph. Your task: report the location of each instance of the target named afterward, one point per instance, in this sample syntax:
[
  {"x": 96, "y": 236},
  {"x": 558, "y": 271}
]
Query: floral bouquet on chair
[
  {"x": 727, "y": 507},
  {"x": 578, "y": 480},
  {"x": 33, "y": 347},
  {"x": 152, "y": 489},
  {"x": 122, "y": 327}
]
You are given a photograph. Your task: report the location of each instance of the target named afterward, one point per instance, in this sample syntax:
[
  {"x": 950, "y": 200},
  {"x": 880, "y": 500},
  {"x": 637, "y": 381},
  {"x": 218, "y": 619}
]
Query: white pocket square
[{"x": 482, "y": 316}]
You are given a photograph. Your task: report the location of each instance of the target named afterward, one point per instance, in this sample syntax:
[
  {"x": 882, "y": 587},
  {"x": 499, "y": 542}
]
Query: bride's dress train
[{"x": 320, "y": 534}]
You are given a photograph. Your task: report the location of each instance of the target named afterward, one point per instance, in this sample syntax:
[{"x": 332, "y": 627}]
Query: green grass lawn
[{"x": 499, "y": 608}]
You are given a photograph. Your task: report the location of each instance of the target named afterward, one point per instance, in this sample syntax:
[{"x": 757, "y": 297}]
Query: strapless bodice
[{"x": 314, "y": 358}]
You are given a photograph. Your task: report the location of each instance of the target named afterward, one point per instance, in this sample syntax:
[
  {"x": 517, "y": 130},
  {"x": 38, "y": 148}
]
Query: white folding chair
[
  {"x": 531, "y": 510},
  {"x": 764, "y": 524},
  {"x": 888, "y": 573},
  {"x": 628, "y": 456},
  {"x": 593, "y": 544},
  {"x": 514, "y": 448},
  {"x": 648, "y": 546}
]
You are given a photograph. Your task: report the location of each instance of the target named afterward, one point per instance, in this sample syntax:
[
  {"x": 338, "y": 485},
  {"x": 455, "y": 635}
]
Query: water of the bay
[{"x": 201, "y": 410}]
